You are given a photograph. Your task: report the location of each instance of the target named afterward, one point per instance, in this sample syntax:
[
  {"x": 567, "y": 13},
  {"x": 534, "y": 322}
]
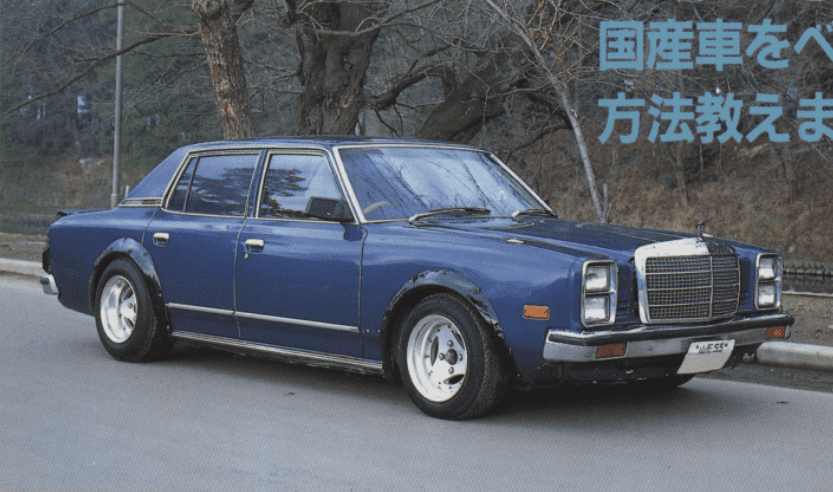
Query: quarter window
[
  {"x": 214, "y": 185},
  {"x": 291, "y": 180}
]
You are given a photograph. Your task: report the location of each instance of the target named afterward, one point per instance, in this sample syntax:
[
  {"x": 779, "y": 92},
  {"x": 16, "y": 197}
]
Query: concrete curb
[
  {"x": 796, "y": 355},
  {"x": 785, "y": 354}
]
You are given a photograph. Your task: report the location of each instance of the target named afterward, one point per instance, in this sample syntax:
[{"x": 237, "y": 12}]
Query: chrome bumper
[
  {"x": 658, "y": 340},
  {"x": 49, "y": 285}
]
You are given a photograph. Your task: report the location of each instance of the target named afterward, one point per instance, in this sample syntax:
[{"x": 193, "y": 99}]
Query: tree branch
[
  {"x": 291, "y": 17},
  {"x": 399, "y": 84},
  {"x": 185, "y": 31}
]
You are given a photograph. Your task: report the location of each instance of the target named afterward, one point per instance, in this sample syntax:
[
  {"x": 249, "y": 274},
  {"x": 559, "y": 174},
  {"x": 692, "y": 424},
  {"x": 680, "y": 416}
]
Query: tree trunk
[
  {"x": 560, "y": 88},
  {"x": 679, "y": 173},
  {"x": 467, "y": 108},
  {"x": 333, "y": 68},
  {"x": 218, "y": 35}
]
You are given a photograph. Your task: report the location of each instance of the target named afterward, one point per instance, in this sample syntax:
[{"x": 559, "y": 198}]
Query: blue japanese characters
[{"x": 670, "y": 46}]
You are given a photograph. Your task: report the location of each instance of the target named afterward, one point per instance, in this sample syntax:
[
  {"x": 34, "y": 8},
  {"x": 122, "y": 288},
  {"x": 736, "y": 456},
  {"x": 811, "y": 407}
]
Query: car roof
[
  {"x": 316, "y": 141},
  {"x": 156, "y": 182}
]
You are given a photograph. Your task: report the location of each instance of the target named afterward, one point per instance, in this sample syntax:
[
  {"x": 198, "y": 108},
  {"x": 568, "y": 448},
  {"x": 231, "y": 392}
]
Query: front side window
[
  {"x": 214, "y": 185},
  {"x": 394, "y": 183},
  {"x": 291, "y": 180}
]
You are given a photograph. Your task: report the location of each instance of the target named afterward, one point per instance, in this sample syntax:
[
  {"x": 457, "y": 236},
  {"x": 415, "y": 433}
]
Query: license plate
[{"x": 706, "y": 356}]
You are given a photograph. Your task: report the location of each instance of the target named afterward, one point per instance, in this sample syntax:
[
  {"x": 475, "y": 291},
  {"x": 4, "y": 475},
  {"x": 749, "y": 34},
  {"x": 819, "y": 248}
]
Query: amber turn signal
[
  {"x": 536, "y": 312},
  {"x": 612, "y": 350},
  {"x": 776, "y": 332}
]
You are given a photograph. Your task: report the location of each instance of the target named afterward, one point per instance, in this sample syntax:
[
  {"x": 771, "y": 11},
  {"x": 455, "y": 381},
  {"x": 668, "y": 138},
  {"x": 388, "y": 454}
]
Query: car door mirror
[{"x": 328, "y": 209}]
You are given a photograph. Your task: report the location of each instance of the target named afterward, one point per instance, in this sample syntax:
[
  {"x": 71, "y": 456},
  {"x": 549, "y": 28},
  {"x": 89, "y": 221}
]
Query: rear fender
[{"x": 141, "y": 257}]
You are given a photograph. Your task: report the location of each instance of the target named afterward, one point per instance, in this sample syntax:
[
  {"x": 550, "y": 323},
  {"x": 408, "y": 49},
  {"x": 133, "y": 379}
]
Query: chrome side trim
[
  {"x": 299, "y": 322},
  {"x": 141, "y": 202},
  {"x": 199, "y": 309},
  {"x": 307, "y": 357},
  {"x": 264, "y": 317}
]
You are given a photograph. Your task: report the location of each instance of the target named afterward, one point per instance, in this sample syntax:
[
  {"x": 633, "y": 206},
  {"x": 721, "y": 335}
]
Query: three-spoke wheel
[
  {"x": 127, "y": 324},
  {"x": 437, "y": 358},
  {"x": 449, "y": 359},
  {"x": 117, "y": 309}
]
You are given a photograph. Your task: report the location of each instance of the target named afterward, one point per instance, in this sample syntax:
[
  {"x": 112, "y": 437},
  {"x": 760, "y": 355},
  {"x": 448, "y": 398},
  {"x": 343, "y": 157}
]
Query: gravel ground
[{"x": 813, "y": 314}]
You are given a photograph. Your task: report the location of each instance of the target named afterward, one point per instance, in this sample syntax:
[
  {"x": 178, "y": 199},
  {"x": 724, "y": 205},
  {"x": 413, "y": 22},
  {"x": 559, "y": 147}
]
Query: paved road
[{"x": 72, "y": 418}]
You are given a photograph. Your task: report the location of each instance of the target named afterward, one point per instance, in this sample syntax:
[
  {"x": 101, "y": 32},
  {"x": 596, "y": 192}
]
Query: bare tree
[
  {"x": 218, "y": 35},
  {"x": 538, "y": 37}
]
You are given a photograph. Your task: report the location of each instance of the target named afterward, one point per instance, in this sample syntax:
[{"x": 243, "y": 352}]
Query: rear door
[
  {"x": 193, "y": 240},
  {"x": 297, "y": 279}
]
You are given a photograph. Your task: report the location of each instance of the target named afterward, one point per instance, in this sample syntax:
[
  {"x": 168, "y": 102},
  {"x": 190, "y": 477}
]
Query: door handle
[
  {"x": 160, "y": 238},
  {"x": 252, "y": 244}
]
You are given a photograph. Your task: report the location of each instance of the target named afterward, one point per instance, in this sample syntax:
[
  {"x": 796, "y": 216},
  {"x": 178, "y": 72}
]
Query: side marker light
[
  {"x": 536, "y": 312},
  {"x": 776, "y": 332}
]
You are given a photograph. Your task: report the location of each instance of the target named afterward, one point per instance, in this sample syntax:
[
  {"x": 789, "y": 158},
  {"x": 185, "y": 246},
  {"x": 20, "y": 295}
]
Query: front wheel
[
  {"x": 449, "y": 359},
  {"x": 127, "y": 325}
]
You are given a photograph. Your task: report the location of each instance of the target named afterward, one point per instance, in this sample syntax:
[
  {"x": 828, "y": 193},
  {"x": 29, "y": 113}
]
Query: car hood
[{"x": 598, "y": 239}]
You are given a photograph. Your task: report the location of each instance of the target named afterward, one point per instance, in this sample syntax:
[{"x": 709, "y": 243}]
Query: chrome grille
[{"x": 691, "y": 288}]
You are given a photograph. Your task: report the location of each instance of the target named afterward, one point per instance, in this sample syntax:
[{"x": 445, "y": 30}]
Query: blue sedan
[{"x": 425, "y": 262}]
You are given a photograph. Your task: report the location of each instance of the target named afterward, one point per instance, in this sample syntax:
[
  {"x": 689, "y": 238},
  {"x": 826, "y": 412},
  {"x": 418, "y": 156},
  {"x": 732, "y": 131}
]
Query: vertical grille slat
[{"x": 692, "y": 288}]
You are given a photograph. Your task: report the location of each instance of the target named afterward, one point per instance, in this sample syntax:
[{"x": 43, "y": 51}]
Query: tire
[
  {"x": 449, "y": 359},
  {"x": 127, "y": 325}
]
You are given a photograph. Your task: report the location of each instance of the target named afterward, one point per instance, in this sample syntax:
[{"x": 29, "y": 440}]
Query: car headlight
[
  {"x": 768, "y": 281},
  {"x": 597, "y": 278},
  {"x": 598, "y": 293}
]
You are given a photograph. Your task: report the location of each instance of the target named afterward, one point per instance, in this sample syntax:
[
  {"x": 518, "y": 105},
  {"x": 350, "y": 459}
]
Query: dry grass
[{"x": 739, "y": 194}]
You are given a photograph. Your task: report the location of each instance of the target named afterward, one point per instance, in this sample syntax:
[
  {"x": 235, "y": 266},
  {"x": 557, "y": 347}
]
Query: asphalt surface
[{"x": 73, "y": 418}]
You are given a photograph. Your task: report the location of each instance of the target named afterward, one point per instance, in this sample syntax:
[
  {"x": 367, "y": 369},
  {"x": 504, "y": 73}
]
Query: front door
[{"x": 297, "y": 279}]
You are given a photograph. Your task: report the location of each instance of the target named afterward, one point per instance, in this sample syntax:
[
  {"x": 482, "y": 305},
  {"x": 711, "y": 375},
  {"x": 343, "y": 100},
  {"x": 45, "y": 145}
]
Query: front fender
[
  {"x": 422, "y": 285},
  {"x": 141, "y": 257}
]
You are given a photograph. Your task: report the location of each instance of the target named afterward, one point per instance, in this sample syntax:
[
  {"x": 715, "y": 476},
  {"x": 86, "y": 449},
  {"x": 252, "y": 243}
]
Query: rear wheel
[
  {"x": 449, "y": 359},
  {"x": 127, "y": 325}
]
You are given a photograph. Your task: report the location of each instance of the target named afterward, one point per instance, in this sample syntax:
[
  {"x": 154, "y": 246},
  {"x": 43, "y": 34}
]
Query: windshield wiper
[
  {"x": 541, "y": 212},
  {"x": 451, "y": 210}
]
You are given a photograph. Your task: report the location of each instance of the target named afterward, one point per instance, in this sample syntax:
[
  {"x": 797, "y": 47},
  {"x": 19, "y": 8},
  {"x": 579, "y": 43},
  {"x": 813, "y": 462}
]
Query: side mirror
[{"x": 328, "y": 209}]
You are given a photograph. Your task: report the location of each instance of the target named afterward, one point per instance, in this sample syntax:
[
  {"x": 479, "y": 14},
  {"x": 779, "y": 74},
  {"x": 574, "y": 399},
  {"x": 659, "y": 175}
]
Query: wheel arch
[
  {"x": 421, "y": 286},
  {"x": 132, "y": 250}
]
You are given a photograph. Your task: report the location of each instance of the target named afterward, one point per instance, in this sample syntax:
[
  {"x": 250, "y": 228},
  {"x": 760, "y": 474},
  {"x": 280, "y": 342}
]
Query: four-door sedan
[{"x": 428, "y": 262}]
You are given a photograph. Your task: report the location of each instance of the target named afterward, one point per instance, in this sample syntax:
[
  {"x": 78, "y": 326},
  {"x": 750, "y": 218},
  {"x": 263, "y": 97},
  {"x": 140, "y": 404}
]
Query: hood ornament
[{"x": 701, "y": 231}]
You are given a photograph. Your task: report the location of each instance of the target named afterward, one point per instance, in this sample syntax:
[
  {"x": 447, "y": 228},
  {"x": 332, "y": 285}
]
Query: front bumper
[{"x": 659, "y": 340}]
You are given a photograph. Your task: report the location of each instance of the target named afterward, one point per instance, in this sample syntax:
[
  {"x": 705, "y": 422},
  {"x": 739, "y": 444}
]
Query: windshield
[{"x": 393, "y": 183}]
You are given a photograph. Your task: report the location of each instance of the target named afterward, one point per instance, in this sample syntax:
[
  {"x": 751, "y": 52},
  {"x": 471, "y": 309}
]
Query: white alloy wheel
[
  {"x": 118, "y": 309},
  {"x": 437, "y": 358}
]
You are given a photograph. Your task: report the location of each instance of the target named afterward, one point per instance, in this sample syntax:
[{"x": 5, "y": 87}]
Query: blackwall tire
[
  {"x": 449, "y": 359},
  {"x": 127, "y": 325}
]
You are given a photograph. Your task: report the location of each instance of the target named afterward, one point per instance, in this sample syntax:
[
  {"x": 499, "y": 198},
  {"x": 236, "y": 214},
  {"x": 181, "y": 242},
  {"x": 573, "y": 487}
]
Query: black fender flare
[
  {"x": 134, "y": 250},
  {"x": 422, "y": 285}
]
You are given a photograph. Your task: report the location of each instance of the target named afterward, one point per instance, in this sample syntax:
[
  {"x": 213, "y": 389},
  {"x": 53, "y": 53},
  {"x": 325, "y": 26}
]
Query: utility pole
[{"x": 114, "y": 194}]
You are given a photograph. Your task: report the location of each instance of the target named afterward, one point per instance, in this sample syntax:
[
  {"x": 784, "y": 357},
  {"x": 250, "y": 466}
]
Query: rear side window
[{"x": 214, "y": 185}]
